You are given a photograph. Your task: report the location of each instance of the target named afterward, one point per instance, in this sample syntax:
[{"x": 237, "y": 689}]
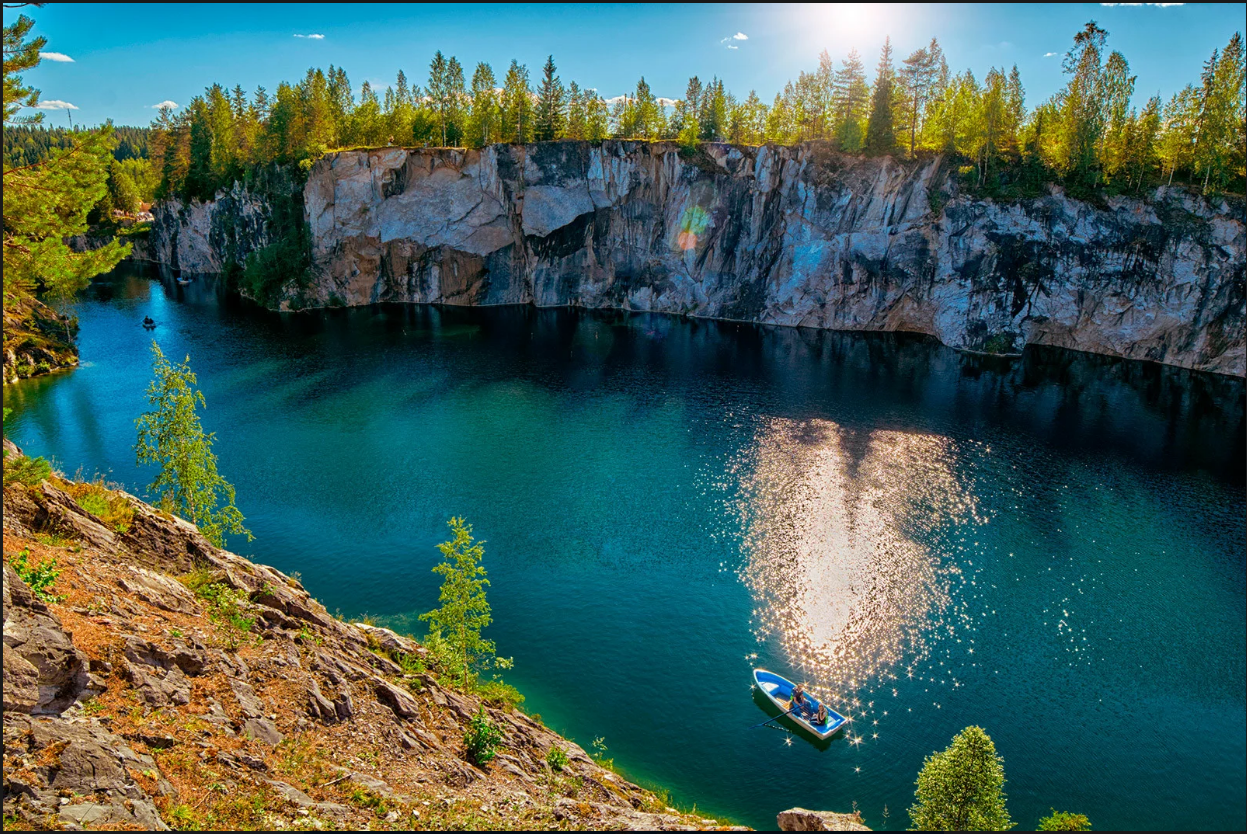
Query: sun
[{"x": 851, "y": 18}]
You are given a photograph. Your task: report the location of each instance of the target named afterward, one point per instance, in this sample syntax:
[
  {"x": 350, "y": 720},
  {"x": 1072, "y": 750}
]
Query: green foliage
[
  {"x": 38, "y": 577},
  {"x": 455, "y": 627},
  {"x": 228, "y": 608},
  {"x": 47, "y": 201},
  {"x": 1064, "y": 821},
  {"x": 287, "y": 259},
  {"x": 110, "y": 506},
  {"x": 171, "y": 435},
  {"x": 962, "y": 788},
  {"x": 481, "y": 738},
  {"x": 556, "y": 758},
  {"x": 25, "y": 470},
  {"x": 497, "y": 693}
]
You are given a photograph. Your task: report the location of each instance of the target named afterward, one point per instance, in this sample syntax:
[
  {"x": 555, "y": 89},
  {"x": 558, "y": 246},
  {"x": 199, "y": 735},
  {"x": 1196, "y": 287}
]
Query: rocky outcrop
[
  {"x": 799, "y": 819},
  {"x": 796, "y": 236},
  {"x": 37, "y": 339},
  {"x": 228, "y": 698}
]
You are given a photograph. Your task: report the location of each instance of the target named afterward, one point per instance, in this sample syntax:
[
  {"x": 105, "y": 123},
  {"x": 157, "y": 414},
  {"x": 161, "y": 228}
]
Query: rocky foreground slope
[
  {"x": 795, "y": 236},
  {"x": 132, "y": 700}
]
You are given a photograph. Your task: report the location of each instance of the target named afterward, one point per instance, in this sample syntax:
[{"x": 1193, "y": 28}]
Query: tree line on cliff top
[{"x": 1090, "y": 135}]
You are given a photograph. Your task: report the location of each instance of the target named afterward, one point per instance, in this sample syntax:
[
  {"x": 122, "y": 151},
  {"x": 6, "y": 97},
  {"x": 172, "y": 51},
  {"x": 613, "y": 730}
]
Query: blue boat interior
[{"x": 780, "y": 689}]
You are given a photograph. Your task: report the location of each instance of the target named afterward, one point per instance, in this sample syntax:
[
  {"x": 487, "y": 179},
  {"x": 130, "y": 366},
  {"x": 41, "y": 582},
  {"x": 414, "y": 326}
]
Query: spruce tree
[
  {"x": 551, "y": 105},
  {"x": 880, "y": 134}
]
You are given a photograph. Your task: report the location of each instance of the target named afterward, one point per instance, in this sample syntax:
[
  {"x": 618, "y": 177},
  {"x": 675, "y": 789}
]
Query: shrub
[
  {"x": 962, "y": 788},
  {"x": 227, "y": 607},
  {"x": 556, "y": 758},
  {"x": 110, "y": 506},
  {"x": 39, "y": 577},
  {"x": 23, "y": 470},
  {"x": 1064, "y": 821},
  {"x": 499, "y": 694},
  {"x": 481, "y": 738}
]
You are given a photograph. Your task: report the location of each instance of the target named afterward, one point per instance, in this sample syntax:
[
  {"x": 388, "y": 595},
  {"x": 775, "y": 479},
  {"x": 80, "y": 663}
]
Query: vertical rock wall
[{"x": 795, "y": 236}]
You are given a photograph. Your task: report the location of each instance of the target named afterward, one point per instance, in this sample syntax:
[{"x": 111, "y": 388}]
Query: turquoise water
[{"x": 1052, "y": 549}]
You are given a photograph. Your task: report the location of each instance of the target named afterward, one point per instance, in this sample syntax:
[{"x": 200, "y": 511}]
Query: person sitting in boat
[
  {"x": 147, "y": 321},
  {"x": 799, "y": 704},
  {"x": 821, "y": 716}
]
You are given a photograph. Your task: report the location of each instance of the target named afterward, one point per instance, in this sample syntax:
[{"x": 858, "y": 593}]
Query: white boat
[{"x": 779, "y": 690}]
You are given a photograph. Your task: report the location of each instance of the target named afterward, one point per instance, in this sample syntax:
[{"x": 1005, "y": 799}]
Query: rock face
[
  {"x": 796, "y": 236},
  {"x": 231, "y": 699},
  {"x": 799, "y": 819}
]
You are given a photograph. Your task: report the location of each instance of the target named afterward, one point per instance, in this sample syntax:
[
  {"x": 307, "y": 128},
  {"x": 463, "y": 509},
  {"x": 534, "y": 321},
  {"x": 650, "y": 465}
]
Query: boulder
[
  {"x": 800, "y": 819},
  {"x": 43, "y": 672}
]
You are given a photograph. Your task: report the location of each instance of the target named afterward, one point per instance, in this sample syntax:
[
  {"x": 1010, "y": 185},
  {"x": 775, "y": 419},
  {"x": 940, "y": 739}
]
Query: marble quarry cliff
[{"x": 798, "y": 236}]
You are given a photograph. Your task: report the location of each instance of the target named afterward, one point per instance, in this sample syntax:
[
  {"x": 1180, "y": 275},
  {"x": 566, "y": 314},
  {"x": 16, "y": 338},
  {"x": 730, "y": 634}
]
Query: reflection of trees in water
[{"x": 831, "y": 521}]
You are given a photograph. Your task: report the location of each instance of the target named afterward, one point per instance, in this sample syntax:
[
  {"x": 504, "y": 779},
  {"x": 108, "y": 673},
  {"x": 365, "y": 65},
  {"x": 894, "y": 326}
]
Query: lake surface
[{"x": 1051, "y": 548}]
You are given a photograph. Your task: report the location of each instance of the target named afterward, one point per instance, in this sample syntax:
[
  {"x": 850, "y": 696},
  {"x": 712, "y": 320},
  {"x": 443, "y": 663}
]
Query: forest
[{"x": 1091, "y": 135}]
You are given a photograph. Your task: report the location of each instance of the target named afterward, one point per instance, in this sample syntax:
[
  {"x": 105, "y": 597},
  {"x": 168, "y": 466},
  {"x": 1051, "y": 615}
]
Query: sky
[{"x": 121, "y": 62}]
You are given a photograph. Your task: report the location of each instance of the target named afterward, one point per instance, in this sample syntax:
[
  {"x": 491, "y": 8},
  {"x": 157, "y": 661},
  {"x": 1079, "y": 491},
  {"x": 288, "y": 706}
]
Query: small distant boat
[
  {"x": 182, "y": 282},
  {"x": 779, "y": 690},
  {"x": 148, "y": 323}
]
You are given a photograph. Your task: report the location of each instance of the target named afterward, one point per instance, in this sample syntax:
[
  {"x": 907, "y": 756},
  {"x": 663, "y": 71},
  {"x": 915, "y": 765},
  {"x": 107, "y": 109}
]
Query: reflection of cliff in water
[{"x": 1164, "y": 416}]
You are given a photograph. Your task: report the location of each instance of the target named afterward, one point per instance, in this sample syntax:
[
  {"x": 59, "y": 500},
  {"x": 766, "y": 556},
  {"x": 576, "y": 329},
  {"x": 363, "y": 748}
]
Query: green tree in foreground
[
  {"x": 464, "y": 611},
  {"x": 48, "y": 201},
  {"x": 1064, "y": 821},
  {"x": 170, "y": 435},
  {"x": 962, "y": 788}
]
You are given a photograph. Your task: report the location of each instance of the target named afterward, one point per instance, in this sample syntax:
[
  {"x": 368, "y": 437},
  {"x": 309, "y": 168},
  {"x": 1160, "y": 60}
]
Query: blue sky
[{"x": 125, "y": 59}]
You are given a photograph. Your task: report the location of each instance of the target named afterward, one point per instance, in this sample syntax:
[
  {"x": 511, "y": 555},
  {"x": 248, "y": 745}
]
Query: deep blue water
[{"x": 1051, "y": 548}]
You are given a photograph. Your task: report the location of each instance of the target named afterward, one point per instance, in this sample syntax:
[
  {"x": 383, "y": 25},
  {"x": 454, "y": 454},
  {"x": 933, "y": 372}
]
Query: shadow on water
[
  {"x": 1166, "y": 417},
  {"x": 780, "y": 721}
]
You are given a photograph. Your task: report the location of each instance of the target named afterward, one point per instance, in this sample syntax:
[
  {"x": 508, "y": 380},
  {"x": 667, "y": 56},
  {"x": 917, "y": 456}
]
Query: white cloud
[
  {"x": 1050, "y": 54},
  {"x": 312, "y": 37},
  {"x": 58, "y": 57},
  {"x": 53, "y": 104},
  {"x": 729, "y": 46},
  {"x": 172, "y": 105},
  {"x": 740, "y": 36}
]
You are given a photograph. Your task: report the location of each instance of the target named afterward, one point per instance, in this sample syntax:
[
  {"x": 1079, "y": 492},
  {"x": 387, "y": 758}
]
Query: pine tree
[
  {"x": 170, "y": 435},
  {"x": 551, "y": 105},
  {"x": 880, "y": 134},
  {"x": 47, "y": 201},
  {"x": 850, "y": 102}
]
